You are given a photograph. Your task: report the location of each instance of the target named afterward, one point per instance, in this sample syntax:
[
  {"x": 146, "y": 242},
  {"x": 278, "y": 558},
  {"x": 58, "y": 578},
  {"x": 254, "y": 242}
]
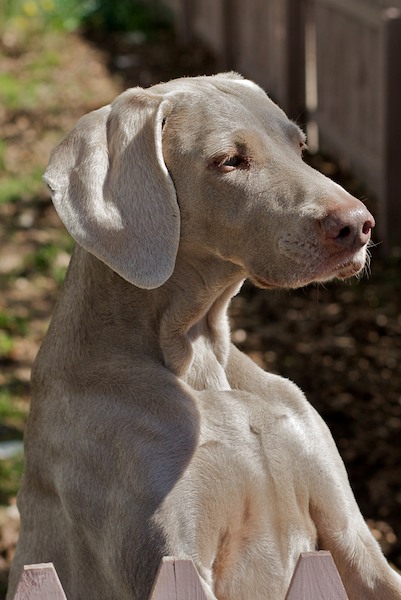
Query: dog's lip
[
  {"x": 343, "y": 264},
  {"x": 348, "y": 268},
  {"x": 332, "y": 267}
]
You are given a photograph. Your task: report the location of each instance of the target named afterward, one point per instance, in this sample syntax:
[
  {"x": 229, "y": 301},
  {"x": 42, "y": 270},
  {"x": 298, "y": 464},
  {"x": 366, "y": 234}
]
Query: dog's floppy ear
[{"x": 113, "y": 192}]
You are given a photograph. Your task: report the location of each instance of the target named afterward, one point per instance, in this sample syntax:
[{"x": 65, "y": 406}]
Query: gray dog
[{"x": 150, "y": 434}]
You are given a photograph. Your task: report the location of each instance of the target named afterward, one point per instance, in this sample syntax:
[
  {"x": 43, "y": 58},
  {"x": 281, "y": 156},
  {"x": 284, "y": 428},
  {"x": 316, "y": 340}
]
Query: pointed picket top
[
  {"x": 316, "y": 578},
  {"x": 177, "y": 579},
  {"x": 39, "y": 582}
]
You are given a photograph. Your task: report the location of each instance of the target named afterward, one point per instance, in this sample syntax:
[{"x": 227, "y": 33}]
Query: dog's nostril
[
  {"x": 367, "y": 226},
  {"x": 335, "y": 228}
]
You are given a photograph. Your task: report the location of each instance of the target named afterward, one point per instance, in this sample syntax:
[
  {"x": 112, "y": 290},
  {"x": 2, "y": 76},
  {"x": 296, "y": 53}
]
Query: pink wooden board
[
  {"x": 39, "y": 582},
  {"x": 177, "y": 579},
  {"x": 316, "y": 578}
]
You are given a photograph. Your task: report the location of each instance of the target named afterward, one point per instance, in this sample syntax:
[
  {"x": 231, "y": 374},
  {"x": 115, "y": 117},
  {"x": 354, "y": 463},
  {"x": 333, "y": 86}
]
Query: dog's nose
[{"x": 348, "y": 227}]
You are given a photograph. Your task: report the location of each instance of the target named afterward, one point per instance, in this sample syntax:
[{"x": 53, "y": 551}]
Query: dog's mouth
[
  {"x": 344, "y": 271},
  {"x": 343, "y": 268},
  {"x": 315, "y": 271}
]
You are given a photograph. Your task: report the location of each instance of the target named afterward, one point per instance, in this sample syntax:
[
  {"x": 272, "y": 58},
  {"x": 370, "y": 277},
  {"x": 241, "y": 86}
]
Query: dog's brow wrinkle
[{"x": 254, "y": 429}]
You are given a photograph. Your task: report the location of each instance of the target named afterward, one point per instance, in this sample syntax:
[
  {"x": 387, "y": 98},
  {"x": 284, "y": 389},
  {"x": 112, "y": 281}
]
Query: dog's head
[{"x": 210, "y": 164}]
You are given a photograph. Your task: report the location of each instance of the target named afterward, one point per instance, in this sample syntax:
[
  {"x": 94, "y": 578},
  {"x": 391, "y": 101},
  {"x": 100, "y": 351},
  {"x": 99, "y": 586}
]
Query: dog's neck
[
  {"x": 183, "y": 323},
  {"x": 194, "y": 328}
]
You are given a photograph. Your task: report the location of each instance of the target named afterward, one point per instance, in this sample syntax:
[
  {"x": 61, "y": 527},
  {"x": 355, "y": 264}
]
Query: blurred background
[{"x": 335, "y": 67}]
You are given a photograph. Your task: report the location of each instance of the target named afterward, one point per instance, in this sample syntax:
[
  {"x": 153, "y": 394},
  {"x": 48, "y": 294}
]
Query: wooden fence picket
[
  {"x": 39, "y": 582},
  {"x": 316, "y": 578},
  {"x": 177, "y": 579}
]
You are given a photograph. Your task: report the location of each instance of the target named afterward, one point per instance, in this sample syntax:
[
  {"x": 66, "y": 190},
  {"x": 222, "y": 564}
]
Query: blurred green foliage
[
  {"x": 45, "y": 259},
  {"x": 14, "y": 324},
  {"x": 12, "y": 412},
  {"x": 127, "y": 15},
  {"x": 69, "y": 15},
  {"x": 14, "y": 188},
  {"x": 10, "y": 477},
  {"x": 35, "y": 15},
  {"x": 10, "y": 326}
]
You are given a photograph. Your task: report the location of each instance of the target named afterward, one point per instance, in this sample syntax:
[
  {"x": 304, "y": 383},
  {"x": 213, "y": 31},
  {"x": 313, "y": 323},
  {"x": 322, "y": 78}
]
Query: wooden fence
[
  {"x": 315, "y": 578},
  {"x": 335, "y": 64}
]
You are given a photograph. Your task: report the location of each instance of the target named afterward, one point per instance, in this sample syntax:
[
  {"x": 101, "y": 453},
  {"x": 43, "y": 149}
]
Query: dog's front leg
[
  {"x": 332, "y": 506},
  {"x": 341, "y": 527}
]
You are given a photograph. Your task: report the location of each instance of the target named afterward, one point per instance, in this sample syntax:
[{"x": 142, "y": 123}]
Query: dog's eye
[
  {"x": 233, "y": 161},
  {"x": 230, "y": 163}
]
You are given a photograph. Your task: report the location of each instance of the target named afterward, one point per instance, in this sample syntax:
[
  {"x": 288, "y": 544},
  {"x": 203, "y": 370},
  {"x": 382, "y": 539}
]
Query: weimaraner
[{"x": 150, "y": 434}]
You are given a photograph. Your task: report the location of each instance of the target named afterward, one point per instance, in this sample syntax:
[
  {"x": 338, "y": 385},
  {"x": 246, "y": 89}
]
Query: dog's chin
[
  {"x": 325, "y": 270},
  {"x": 344, "y": 269}
]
